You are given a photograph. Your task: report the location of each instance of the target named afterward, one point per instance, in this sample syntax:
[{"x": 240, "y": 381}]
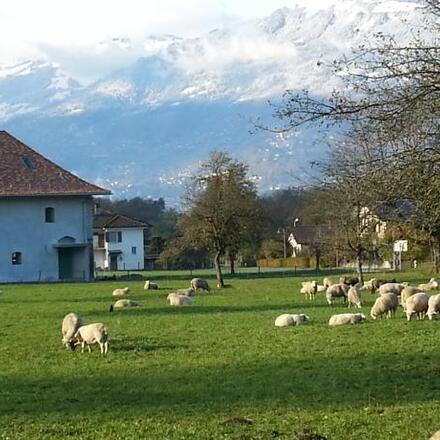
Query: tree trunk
[
  {"x": 359, "y": 267},
  {"x": 318, "y": 260},
  {"x": 436, "y": 253},
  {"x": 218, "y": 270},
  {"x": 232, "y": 264}
]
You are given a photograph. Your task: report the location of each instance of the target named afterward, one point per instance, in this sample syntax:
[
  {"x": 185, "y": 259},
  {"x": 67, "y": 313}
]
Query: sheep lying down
[
  {"x": 346, "y": 319},
  {"x": 287, "y": 320}
]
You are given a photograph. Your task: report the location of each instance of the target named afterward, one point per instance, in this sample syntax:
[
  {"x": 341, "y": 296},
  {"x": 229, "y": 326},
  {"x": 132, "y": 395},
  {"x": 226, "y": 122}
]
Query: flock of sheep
[
  {"x": 414, "y": 300},
  {"x": 75, "y": 332}
]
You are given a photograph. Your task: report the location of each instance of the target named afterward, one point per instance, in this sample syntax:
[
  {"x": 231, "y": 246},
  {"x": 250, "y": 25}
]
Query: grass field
[{"x": 216, "y": 370}]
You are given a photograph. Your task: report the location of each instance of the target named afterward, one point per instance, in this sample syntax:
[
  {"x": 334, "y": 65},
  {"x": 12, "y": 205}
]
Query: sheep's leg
[
  {"x": 105, "y": 347},
  {"x": 90, "y": 348},
  {"x": 82, "y": 346}
]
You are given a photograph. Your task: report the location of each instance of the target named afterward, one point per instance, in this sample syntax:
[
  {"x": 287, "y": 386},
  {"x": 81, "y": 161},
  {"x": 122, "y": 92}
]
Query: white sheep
[
  {"x": 149, "y": 285},
  {"x": 336, "y": 291},
  {"x": 286, "y": 320},
  {"x": 417, "y": 304},
  {"x": 427, "y": 287},
  {"x": 395, "y": 288},
  {"x": 354, "y": 297},
  {"x": 121, "y": 292},
  {"x": 386, "y": 303},
  {"x": 435, "y": 436},
  {"x": 320, "y": 288},
  {"x": 123, "y": 304},
  {"x": 347, "y": 318},
  {"x": 188, "y": 292},
  {"x": 175, "y": 299},
  {"x": 309, "y": 289},
  {"x": 369, "y": 285},
  {"x": 200, "y": 283},
  {"x": 433, "y": 306},
  {"x": 71, "y": 323},
  {"x": 327, "y": 282},
  {"x": 91, "y": 334},
  {"x": 406, "y": 293}
]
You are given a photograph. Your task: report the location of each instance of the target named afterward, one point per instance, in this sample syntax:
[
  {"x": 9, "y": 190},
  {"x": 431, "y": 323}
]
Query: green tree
[{"x": 221, "y": 210}]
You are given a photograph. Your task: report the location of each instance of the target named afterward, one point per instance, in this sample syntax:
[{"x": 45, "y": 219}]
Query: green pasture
[{"x": 216, "y": 370}]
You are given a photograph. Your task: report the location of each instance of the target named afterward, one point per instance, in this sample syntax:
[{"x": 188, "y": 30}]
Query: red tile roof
[
  {"x": 116, "y": 221},
  {"x": 24, "y": 172}
]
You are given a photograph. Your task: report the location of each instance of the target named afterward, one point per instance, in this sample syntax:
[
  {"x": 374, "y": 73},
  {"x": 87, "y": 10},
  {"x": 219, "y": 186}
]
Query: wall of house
[
  {"x": 23, "y": 229},
  {"x": 100, "y": 258},
  {"x": 131, "y": 237}
]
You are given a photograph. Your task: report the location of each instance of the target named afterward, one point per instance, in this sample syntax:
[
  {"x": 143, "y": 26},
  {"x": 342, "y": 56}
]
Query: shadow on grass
[
  {"x": 200, "y": 310},
  {"x": 141, "y": 345},
  {"x": 94, "y": 384}
]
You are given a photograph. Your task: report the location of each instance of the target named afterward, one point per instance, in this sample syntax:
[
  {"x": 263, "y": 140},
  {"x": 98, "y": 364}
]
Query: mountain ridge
[{"x": 165, "y": 110}]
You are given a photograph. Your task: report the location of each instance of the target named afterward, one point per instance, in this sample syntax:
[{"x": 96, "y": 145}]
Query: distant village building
[
  {"x": 118, "y": 242},
  {"x": 46, "y": 216},
  {"x": 302, "y": 239}
]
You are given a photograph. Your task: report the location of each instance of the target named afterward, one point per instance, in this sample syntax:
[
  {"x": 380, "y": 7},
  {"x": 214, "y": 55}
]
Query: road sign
[{"x": 400, "y": 246}]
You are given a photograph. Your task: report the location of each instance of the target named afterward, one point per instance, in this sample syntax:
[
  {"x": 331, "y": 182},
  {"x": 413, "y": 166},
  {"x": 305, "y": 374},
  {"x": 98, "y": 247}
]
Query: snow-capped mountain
[{"x": 142, "y": 129}]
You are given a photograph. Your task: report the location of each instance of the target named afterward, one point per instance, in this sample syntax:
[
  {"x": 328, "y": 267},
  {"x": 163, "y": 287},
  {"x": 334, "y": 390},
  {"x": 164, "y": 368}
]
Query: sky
[{"x": 29, "y": 29}]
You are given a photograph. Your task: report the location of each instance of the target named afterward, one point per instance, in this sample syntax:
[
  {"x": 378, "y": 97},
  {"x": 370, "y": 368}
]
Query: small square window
[
  {"x": 50, "y": 215},
  {"x": 133, "y": 250},
  {"x": 16, "y": 258}
]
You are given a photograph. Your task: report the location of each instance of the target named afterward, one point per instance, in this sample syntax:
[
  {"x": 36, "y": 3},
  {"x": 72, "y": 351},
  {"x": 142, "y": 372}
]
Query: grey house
[{"x": 46, "y": 218}]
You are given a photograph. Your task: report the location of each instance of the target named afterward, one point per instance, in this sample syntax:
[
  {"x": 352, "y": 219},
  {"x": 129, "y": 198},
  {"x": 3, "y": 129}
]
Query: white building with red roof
[
  {"x": 46, "y": 218},
  {"x": 118, "y": 242}
]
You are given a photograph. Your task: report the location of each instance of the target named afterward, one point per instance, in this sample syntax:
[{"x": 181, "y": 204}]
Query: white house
[
  {"x": 46, "y": 216},
  {"x": 118, "y": 242}
]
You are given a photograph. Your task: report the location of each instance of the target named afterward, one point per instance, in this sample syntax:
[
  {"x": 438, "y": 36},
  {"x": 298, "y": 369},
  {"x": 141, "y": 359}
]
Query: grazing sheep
[
  {"x": 385, "y": 304},
  {"x": 327, "y": 282},
  {"x": 175, "y": 299},
  {"x": 347, "y": 318},
  {"x": 91, "y": 334},
  {"x": 354, "y": 297},
  {"x": 286, "y": 320},
  {"x": 427, "y": 287},
  {"x": 417, "y": 304},
  {"x": 188, "y": 292},
  {"x": 71, "y": 323},
  {"x": 200, "y": 283},
  {"x": 395, "y": 288},
  {"x": 406, "y": 293},
  {"x": 336, "y": 291},
  {"x": 149, "y": 285},
  {"x": 377, "y": 283},
  {"x": 123, "y": 304},
  {"x": 433, "y": 306},
  {"x": 369, "y": 285},
  {"x": 350, "y": 281},
  {"x": 121, "y": 292},
  {"x": 309, "y": 289}
]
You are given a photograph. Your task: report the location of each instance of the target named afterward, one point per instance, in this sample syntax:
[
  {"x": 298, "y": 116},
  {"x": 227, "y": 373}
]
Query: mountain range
[{"x": 143, "y": 129}]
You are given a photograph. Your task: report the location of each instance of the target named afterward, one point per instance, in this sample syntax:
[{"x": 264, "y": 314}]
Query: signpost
[{"x": 399, "y": 246}]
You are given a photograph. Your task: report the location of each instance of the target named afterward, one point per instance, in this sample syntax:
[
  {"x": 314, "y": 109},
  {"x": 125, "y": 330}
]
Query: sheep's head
[{"x": 126, "y": 290}]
